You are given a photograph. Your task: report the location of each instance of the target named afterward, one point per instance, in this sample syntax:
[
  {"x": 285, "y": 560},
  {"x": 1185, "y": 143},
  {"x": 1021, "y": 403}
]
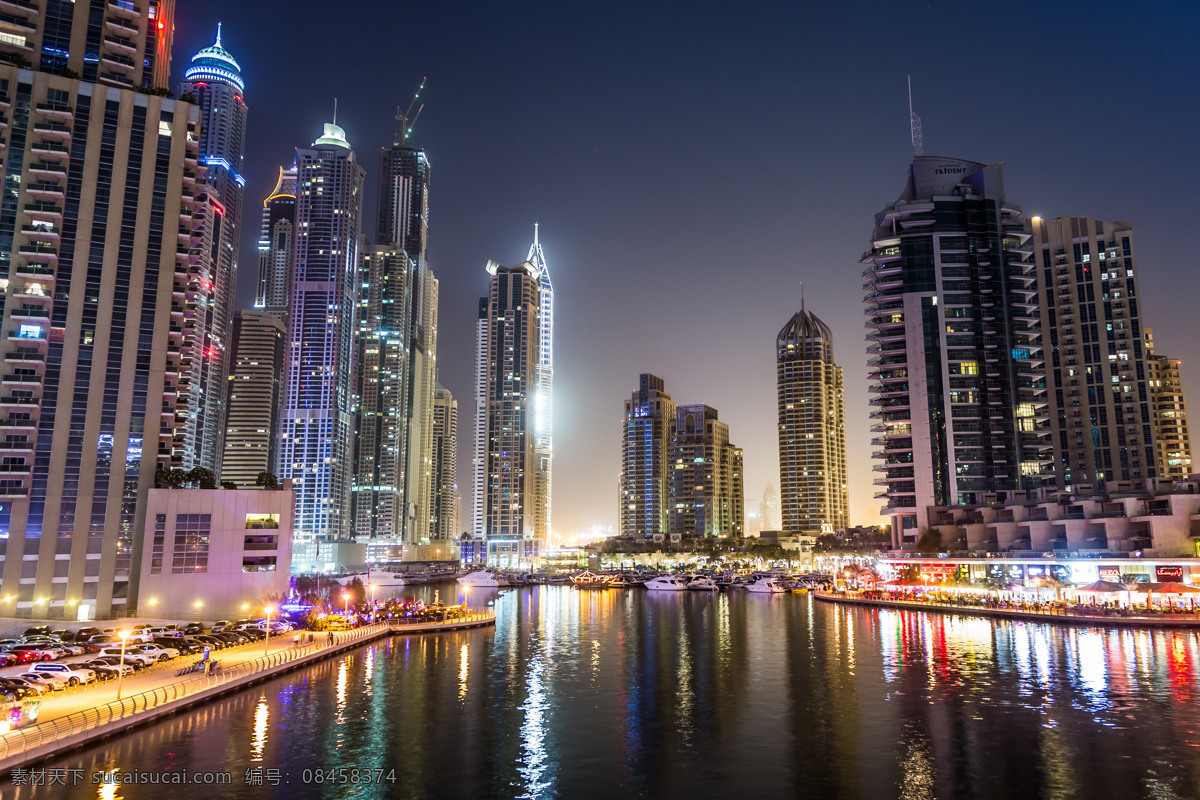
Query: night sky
[{"x": 691, "y": 164}]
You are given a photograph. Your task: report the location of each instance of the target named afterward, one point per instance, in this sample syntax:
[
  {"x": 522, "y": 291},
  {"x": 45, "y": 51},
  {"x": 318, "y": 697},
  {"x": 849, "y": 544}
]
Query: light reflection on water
[{"x": 581, "y": 694}]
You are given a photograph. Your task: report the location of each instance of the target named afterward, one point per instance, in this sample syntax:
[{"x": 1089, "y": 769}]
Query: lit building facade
[
  {"x": 210, "y": 552},
  {"x": 543, "y": 402},
  {"x": 118, "y": 43},
  {"x": 812, "y": 428},
  {"x": 1100, "y": 420},
  {"x": 646, "y": 460},
  {"x": 98, "y": 220},
  {"x": 706, "y": 492},
  {"x": 318, "y": 416},
  {"x": 444, "y": 524},
  {"x": 956, "y": 369},
  {"x": 255, "y": 393},
  {"x": 514, "y": 529},
  {"x": 215, "y": 83},
  {"x": 382, "y": 342},
  {"x": 1172, "y": 442},
  {"x": 275, "y": 239},
  {"x": 403, "y": 223}
]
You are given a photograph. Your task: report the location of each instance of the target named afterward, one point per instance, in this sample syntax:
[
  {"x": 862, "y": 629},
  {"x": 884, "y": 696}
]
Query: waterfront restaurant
[{"x": 934, "y": 571}]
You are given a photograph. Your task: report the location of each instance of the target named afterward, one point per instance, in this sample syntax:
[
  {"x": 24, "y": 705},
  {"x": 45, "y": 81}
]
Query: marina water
[{"x": 627, "y": 693}]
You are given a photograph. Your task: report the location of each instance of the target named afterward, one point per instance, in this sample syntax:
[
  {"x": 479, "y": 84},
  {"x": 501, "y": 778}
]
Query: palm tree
[{"x": 1129, "y": 583}]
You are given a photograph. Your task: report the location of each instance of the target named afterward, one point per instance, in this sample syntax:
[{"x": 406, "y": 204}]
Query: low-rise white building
[{"x": 212, "y": 553}]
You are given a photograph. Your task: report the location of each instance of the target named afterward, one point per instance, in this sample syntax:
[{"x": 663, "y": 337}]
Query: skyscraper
[
  {"x": 444, "y": 504},
  {"x": 1101, "y": 425},
  {"x": 646, "y": 460},
  {"x": 318, "y": 409},
  {"x": 704, "y": 481},
  {"x": 1172, "y": 442},
  {"x": 512, "y": 512},
  {"x": 543, "y": 403},
  {"x": 275, "y": 246},
  {"x": 382, "y": 341},
  {"x": 255, "y": 393},
  {"x": 403, "y": 222},
  {"x": 479, "y": 460},
  {"x": 97, "y": 223},
  {"x": 812, "y": 427},
  {"x": 956, "y": 363},
  {"x": 214, "y": 81}
]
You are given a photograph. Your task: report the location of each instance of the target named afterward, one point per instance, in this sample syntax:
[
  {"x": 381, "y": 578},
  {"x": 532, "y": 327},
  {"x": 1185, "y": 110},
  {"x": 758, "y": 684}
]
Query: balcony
[
  {"x": 59, "y": 111},
  {"x": 20, "y": 402},
  {"x": 43, "y": 209},
  {"x": 124, "y": 8},
  {"x": 31, "y": 312},
  {"x": 121, "y": 26},
  {"x": 51, "y": 149},
  {"x": 52, "y": 129},
  {"x": 25, "y": 357},
  {"x": 35, "y": 251},
  {"x": 118, "y": 43}
]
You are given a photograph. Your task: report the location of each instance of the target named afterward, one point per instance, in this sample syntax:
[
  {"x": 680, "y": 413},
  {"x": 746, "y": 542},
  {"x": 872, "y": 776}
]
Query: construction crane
[{"x": 406, "y": 122}]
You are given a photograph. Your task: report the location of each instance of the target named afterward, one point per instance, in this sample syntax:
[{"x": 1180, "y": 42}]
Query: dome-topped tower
[{"x": 215, "y": 63}]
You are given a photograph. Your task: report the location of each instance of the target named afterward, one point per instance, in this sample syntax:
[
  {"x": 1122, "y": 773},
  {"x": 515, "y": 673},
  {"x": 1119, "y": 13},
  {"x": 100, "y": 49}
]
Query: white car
[
  {"x": 145, "y": 659},
  {"x": 161, "y": 653},
  {"x": 55, "y": 682},
  {"x": 73, "y": 673},
  {"x": 277, "y": 626}
]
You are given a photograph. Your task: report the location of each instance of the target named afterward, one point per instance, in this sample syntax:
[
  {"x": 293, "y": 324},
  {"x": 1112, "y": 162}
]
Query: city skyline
[{"x": 785, "y": 132}]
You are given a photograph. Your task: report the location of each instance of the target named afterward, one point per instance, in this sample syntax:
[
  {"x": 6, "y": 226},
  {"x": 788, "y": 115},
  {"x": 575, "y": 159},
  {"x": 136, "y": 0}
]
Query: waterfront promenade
[
  {"x": 78, "y": 717},
  {"x": 1053, "y": 615}
]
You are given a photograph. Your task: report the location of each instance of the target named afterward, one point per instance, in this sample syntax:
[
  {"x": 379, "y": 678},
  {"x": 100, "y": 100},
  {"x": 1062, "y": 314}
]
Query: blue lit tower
[
  {"x": 316, "y": 422},
  {"x": 214, "y": 79}
]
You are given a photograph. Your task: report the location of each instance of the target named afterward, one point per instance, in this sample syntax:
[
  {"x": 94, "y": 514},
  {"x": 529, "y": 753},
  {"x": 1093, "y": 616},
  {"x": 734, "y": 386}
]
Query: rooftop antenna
[
  {"x": 914, "y": 123},
  {"x": 407, "y": 123},
  {"x": 802, "y": 296},
  {"x": 335, "y": 111}
]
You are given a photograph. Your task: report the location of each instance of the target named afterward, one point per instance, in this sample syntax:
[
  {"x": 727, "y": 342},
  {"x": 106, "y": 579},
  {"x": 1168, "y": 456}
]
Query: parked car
[
  {"x": 7, "y": 659},
  {"x": 159, "y": 652},
  {"x": 37, "y": 630},
  {"x": 36, "y": 688},
  {"x": 130, "y": 657},
  {"x": 35, "y": 652},
  {"x": 101, "y": 641},
  {"x": 11, "y": 690},
  {"x": 63, "y": 635},
  {"x": 55, "y": 682},
  {"x": 84, "y": 634},
  {"x": 193, "y": 629},
  {"x": 68, "y": 649},
  {"x": 185, "y": 646},
  {"x": 73, "y": 673},
  {"x": 209, "y": 640},
  {"x": 221, "y": 625},
  {"x": 113, "y": 663},
  {"x": 140, "y": 633},
  {"x": 165, "y": 631},
  {"x": 277, "y": 626}
]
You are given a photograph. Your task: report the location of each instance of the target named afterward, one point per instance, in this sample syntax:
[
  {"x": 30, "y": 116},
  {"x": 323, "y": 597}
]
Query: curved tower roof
[
  {"x": 810, "y": 337},
  {"x": 332, "y": 137},
  {"x": 215, "y": 63}
]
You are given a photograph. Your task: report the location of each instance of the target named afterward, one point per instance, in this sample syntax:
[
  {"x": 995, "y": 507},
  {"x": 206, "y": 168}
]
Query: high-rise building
[
  {"x": 1100, "y": 420},
  {"x": 382, "y": 341},
  {"x": 97, "y": 223},
  {"x": 511, "y": 522},
  {"x": 120, "y": 43},
  {"x": 275, "y": 246},
  {"x": 646, "y": 460},
  {"x": 812, "y": 427},
  {"x": 704, "y": 482},
  {"x": 214, "y": 82},
  {"x": 768, "y": 508},
  {"x": 1172, "y": 443},
  {"x": 318, "y": 413},
  {"x": 479, "y": 460},
  {"x": 956, "y": 365},
  {"x": 255, "y": 394},
  {"x": 543, "y": 403},
  {"x": 403, "y": 222},
  {"x": 444, "y": 504}
]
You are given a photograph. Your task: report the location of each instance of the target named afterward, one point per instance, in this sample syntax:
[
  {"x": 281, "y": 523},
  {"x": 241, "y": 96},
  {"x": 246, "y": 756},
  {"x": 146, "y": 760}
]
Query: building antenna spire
[
  {"x": 535, "y": 234},
  {"x": 218, "y": 44},
  {"x": 802, "y": 296},
  {"x": 335, "y": 111},
  {"x": 914, "y": 124},
  {"x": 407, "y": 123}
]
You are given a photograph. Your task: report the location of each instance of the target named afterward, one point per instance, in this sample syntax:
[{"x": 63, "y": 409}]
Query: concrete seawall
[
  {"x": 1006, "y": 613},
  {"x": 52, "y": 738}
]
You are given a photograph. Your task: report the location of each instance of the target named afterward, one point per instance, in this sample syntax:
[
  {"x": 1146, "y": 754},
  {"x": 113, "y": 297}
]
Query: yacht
[
  {"x": 766, "y": 585},
  {"x": 382, "y": 578},
  {"x": 667, "y": 583},
  {"x": 703, "y": 583},
  {"x": 483, "y": 577},
  {"x": 627, "y": 580}
]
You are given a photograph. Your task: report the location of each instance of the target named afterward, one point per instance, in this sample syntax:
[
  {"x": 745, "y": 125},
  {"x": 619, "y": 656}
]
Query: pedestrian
[{"x": 331, "y": 637}]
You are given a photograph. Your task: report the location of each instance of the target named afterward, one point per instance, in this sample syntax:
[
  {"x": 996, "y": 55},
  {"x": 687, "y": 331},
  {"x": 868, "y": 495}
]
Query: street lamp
[
  {"x": 346, "y": 597},
  {"x": 267, "y": 640},
  {"x": 124, "y": 637}
]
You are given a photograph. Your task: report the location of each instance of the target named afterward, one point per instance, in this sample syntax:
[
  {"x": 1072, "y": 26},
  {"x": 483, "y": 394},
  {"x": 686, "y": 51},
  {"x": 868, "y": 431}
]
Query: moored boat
[
  {"x": 483, "y": 578},
  {"x": 667, "y": 583},
  {"x": 767, "y": 585}
]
